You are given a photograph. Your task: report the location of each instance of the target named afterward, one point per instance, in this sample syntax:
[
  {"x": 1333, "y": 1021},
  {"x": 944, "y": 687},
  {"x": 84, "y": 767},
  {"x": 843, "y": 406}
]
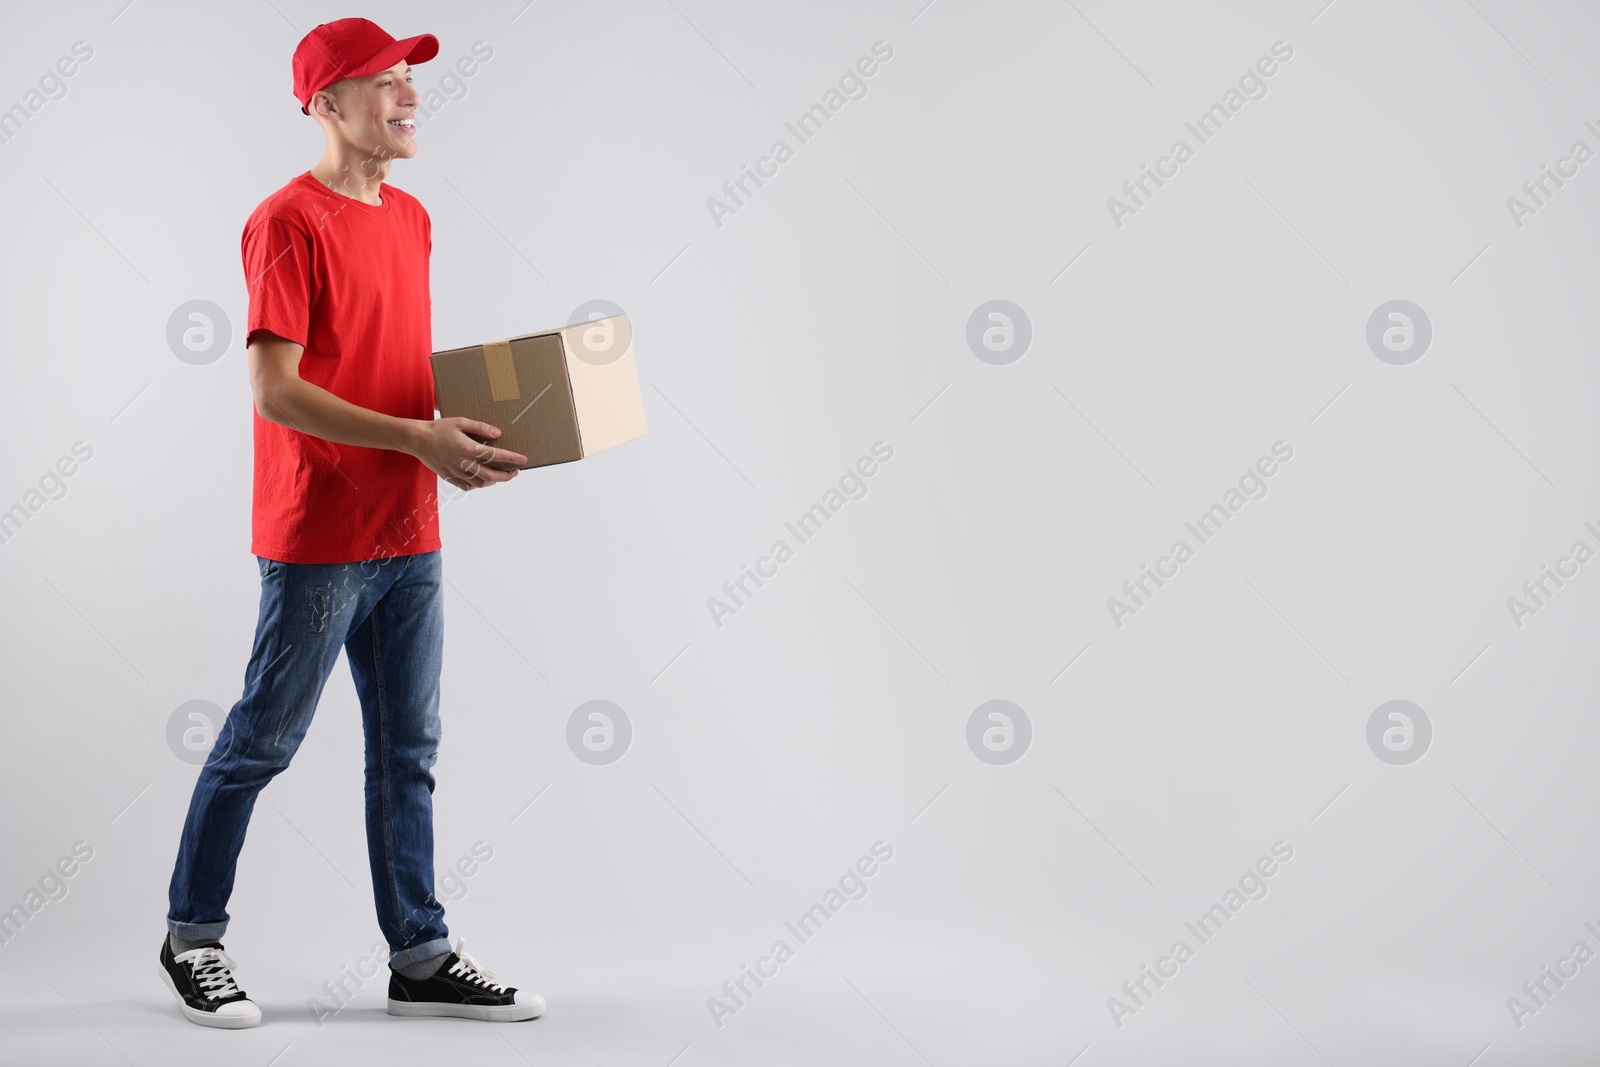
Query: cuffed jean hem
[
  {"x": 197, "y": 931},
  {"x": 417, "y": 953}
]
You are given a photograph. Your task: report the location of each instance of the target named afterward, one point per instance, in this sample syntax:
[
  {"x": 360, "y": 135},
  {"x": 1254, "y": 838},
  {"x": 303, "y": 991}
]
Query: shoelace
[
  {"x": 471, "y": 970},
  {"x": 213, "y": 971}
]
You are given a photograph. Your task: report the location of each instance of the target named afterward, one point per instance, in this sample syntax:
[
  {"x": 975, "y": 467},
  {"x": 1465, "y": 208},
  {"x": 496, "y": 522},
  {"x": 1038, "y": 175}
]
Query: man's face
[{"x": 375, "y": 113}]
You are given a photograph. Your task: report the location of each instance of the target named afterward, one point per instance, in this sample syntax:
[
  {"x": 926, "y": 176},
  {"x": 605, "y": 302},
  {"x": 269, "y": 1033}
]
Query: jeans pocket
[
  {"x": 317, "y": 602},
  {"x": 266, "y": 565}
]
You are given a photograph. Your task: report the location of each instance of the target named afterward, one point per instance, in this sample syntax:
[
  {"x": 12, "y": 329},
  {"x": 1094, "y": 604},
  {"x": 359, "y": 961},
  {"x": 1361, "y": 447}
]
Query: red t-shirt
[{"x": 348, "y": 281}]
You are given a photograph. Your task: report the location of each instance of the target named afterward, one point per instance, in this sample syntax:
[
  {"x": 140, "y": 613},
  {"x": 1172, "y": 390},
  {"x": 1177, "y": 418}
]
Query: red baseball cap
[{"x": 349, "y": 48}]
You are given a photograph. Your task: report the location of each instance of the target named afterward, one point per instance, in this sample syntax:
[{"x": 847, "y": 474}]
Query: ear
[
  {"x": 331, "y": 94},
  {"x": 323, "y": 105}
]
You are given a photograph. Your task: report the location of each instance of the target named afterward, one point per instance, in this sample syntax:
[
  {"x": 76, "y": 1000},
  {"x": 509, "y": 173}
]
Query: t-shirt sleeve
[{"x": 277, "y": 271}]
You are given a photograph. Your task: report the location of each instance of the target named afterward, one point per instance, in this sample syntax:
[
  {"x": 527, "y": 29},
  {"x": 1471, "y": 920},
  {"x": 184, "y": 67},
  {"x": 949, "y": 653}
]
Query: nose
[{"x": 409, "y": 97}]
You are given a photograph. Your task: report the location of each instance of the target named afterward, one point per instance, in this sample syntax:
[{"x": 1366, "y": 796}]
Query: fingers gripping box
[{"x": 556, "y": 396}]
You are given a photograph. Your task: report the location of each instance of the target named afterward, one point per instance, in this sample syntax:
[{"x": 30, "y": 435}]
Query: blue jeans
[{"x": 387, "y": 614}]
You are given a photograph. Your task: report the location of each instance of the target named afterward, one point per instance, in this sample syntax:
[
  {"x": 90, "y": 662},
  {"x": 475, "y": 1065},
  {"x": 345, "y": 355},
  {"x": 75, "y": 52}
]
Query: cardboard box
[{"x": 556, "y": 396}]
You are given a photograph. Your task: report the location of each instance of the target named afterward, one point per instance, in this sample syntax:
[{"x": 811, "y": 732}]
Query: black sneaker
[
  {"x": 202, "y": 980},
  {"x": 461, "y": 989}
]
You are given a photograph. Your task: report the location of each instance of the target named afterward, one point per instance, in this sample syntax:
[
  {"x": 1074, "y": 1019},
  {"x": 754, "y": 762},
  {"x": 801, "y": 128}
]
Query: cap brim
[{"x": 418, "y": 49}]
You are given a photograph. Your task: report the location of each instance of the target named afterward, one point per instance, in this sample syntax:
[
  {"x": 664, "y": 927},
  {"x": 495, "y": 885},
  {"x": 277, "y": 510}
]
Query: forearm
[{"x": 311, "y": 409}]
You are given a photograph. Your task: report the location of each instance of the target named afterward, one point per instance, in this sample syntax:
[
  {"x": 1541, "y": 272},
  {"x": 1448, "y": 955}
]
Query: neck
[{"x": 347, "y": 170}]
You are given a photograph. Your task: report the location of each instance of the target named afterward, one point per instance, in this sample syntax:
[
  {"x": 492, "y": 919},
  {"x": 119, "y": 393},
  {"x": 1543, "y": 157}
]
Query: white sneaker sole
[
  {"x": 238, "y": 1021},
  {"x": 509, "y": 1013}
]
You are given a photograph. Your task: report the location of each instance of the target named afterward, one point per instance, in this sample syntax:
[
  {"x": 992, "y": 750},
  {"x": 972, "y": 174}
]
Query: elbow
[
  {"x": 274, "y": 371},
  {"x": 267, "y": 394}
]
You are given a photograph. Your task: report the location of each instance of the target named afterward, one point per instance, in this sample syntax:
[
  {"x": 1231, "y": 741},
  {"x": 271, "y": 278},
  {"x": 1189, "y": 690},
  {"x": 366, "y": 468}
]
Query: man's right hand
[{"x": 449, "y": 448}]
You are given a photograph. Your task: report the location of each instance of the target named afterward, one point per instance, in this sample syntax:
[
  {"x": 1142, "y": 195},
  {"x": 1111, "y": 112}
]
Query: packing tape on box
[{"x": 502, "y": 372}]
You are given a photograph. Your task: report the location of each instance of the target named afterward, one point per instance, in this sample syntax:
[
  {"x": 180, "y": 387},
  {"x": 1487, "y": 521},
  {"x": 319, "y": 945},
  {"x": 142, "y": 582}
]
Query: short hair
[{"x": 337, "y": 89}]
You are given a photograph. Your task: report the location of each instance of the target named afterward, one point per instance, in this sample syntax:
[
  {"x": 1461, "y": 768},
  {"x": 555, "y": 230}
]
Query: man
[{"x": 345, "y": 531}]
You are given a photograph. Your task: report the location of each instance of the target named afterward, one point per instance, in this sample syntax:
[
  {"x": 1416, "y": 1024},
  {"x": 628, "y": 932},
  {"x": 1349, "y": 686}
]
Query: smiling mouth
[{"x": 408, "y": 125}]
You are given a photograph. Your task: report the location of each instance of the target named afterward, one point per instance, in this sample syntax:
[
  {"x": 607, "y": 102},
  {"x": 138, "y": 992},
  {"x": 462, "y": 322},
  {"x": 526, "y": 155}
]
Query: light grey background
[{"x": 832, "y": 710}]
